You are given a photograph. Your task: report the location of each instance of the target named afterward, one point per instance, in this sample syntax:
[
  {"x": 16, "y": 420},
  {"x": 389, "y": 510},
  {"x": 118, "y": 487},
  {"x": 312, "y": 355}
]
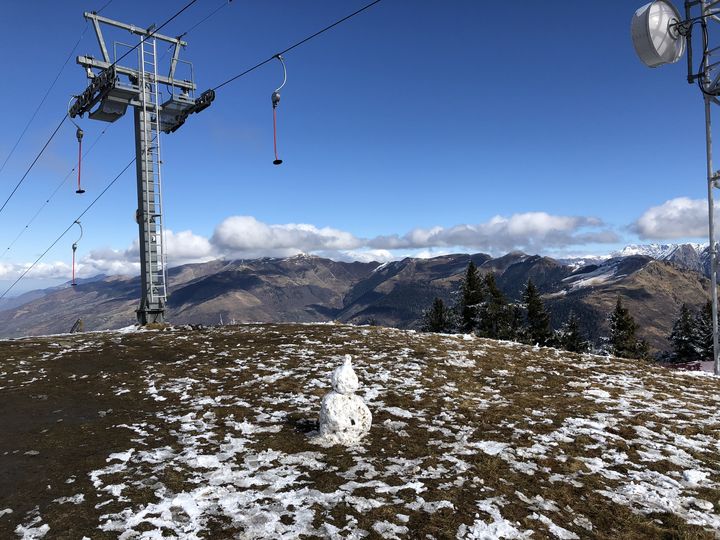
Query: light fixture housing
[{"x": 655, "y": 34}]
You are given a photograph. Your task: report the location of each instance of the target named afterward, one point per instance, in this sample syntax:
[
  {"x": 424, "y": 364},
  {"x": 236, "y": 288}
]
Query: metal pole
[{"x": 711, "y": 235}]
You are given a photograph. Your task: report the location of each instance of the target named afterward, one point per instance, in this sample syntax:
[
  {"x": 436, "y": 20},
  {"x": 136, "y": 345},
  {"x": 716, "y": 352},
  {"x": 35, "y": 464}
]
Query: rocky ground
[{"x": 188, "y": 434}]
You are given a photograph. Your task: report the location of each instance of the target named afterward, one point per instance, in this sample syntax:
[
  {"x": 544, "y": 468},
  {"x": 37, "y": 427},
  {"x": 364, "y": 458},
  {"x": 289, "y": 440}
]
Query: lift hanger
[
  {"x": 79, "y": 134},
  {"x": 275, "y": 101},
  {"x": 74, "y": 249}
]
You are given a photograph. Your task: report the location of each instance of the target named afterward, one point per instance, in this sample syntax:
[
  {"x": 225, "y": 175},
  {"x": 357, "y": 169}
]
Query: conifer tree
[
  {"x": 494, "y": 319},
  {"x": 704, "y": 332},
  {"x": 515, "y": 322},
  {"x": 436, "y": 318},
  {"x": 470, "y": 299},
  {"x": 684, "y": 336},
  {"x": 570, "y": 338},
  {"x": 537, "y": 330},
  {"x": 622, "y": 334}
]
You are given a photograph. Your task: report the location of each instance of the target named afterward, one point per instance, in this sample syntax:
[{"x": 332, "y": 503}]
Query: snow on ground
[
  {"x": 602, "y": 275},
  {"x": 470, "y": 439}
]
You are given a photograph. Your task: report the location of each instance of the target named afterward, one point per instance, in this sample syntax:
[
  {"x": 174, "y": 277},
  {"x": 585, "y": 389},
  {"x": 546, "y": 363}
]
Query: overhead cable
[
  {"x": 47, "y": 201},
  {"x": 231, "y": 79},
  {"x": 87, "y": 209},
  {"x": 154, "y": 31},
  {"x": 33, "y": 163},
  {"x": 193, "y": 27},
  {"x": 47, "y": 92}
]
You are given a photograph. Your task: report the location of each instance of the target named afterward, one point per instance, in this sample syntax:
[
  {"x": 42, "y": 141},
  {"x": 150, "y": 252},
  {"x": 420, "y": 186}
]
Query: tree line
[{"x": 483, "y": 309}]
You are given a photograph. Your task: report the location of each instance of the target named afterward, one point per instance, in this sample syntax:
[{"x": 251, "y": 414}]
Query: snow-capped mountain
[
  {"x": 660, "y": 252},
  {"x": 691, "y": 256}
]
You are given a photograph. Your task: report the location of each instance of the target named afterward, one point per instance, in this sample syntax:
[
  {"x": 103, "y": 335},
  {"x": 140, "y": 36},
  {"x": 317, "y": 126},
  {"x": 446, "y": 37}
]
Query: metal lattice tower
[
  {"x": 150, "y": 219},
  {"x": 112, "y": 89}
]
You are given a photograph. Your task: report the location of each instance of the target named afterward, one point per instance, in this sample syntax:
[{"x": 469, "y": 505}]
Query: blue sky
[{"x": 415, "y": 128}]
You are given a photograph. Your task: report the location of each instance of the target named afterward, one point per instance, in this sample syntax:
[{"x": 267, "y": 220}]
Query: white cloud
[
  {"x": 361, "y": 255},
  {"x": 52, "y": 270},
  {"x": 533, "y": 231},
  {"x": 247, "y": 237},
  {"x": 243, "y": 234},
  {"x": 187, "y": 246},
  {"x": 681, "y": 217},
  {"x": 108, "y": 261}
]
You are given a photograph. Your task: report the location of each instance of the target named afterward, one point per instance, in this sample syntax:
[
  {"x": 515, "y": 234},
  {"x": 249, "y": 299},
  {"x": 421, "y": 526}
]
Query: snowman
[{"x": 344, "y": 417}]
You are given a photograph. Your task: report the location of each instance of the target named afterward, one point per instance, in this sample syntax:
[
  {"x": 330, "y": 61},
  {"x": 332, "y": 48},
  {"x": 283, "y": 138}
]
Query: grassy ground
[{"x": 208, "y": 434}]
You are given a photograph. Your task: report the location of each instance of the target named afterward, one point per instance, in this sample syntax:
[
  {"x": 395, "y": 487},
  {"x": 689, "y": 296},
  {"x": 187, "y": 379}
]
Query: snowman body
[{"x": 344, "y": 417}]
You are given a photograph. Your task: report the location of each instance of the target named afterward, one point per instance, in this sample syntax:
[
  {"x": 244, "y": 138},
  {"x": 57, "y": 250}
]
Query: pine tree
[
  {"x": 494, "y": 316},
  {"x": 622, "y": 334},
  {"x": 684, "y": 336},
  {"x": 470, "y": 299},
  {"x": 704, "y": 332},
  {"x": 570, "y": 338},
  {"x": 515, "y": 322},
  {"x": 537, "y": 330},
  {"x": 436, "y": 318}
]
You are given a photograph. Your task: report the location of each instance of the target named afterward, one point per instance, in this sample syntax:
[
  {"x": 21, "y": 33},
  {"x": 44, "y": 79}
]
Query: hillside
[
  {"x": 652, "y": 290},
  {"x": 207, "y": 434},
  {"x": 313, "y": 289}
]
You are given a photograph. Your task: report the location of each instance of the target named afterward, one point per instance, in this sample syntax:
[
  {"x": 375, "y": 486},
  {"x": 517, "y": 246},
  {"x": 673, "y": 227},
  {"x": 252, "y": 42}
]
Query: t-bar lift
[{"x": 114, "y": 87}]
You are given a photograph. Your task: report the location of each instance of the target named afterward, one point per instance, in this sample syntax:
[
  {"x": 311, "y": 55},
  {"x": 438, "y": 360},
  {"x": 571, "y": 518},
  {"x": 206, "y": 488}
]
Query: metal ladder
[{"x": 153, "y": 214}]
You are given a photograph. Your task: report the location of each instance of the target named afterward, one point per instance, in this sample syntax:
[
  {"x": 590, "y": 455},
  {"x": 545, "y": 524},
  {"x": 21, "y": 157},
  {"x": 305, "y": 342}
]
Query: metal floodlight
[{"x": 656, "y": 35}]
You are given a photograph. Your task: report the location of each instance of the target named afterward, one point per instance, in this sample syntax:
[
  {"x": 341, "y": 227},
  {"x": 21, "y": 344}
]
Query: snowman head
[{"x": 344, "y": 380}]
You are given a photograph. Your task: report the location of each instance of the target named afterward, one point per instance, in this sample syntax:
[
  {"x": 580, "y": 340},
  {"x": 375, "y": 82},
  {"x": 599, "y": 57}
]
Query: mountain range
[{"x": 652, "y": 280}]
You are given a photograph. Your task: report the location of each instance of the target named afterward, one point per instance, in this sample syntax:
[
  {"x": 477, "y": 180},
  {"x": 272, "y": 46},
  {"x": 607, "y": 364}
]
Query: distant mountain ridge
[{"x": 313, "y": 289}]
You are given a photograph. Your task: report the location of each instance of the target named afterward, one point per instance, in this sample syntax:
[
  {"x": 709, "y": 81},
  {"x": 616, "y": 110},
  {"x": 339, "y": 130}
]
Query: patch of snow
[
  {"x": 75, "y": 499},
  {"x": 499, "y": 527},
  {"x": 694, "y": 478},
  {"x": 389, "y": 530},
  {"x": 555, "y": 530},
  {"x": 397, "y": 411}
]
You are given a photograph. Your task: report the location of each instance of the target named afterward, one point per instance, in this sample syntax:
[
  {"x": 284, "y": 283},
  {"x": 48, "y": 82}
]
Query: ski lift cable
[
  {"x": 65, "y": 117},
  {"x": 225, "y": 3},
  {"x": 51, "y": 196},
  {"x": 228, "y": 81},
  {"x": 295, "y": 45},
  {"x": 42, "y": 150},
  {"x": 54, "y": 243},
  {"x": 153, "y": 32},
  {"x": 47, "y": 92},
  {"x": 211, "y": 14},
  {"x": 222, "y": 84}
]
